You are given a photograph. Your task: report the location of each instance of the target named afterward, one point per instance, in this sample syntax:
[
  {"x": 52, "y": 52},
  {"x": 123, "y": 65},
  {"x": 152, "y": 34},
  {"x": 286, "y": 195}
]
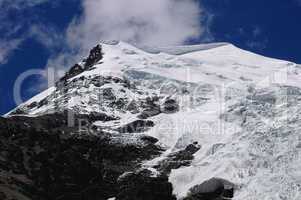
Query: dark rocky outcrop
[
  {"x": 178, "y": 159},
  {"x": 57, "y": 121},
  {"x": 151, "y": 107},
  {"x": 74, "y": 71},
  {"x": 41, "y": 159},
  {"x": 170, "y": 106},
  {"x": 149, "y": 112},
  {"x": 149, "y": 139},
  {"x": 212, "y": 189},
  {"x": 136, "y": 126},
  {"x": 142, "y": 185},
  {"x": 108, "y": 94},
  {"x": 95, "y": 56},
  {"x": 94, "y": 116}
]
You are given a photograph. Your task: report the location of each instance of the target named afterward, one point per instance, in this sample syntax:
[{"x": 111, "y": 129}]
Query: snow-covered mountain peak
[
  {"x": 182, "y": 67},
  {"x": 243, "y": 110}
]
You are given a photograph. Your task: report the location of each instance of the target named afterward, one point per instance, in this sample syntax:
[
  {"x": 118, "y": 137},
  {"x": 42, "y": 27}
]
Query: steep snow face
[
  {"x": 242, "y": 108},
  {"x": 262, "y": 158}
]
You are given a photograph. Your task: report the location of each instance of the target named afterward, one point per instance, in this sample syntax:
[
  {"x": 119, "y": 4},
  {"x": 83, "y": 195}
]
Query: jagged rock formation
[{"x": 94, "y": 57}]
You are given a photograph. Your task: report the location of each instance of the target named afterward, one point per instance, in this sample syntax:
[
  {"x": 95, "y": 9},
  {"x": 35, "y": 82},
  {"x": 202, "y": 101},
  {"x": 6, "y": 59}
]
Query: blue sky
[{"x": 55, "y": 34}]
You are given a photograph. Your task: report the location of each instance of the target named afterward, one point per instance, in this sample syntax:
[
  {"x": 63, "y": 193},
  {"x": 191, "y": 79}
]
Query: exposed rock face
[
  {"x": 213, "y": 189},
  {"x": 142, "y": 185},
  {"x": 149, "y": 139},
  {"x": 97, "y": 94},
  {"x": 178, "y": 159},
  {"x": 95, "y": 56},
  {"x": 150, "y": 112},
  {"x": 38, "y": 161},
  {"x": 136, "y": 126},
  {"x": 45, "y": 157},
  {"x": 151, "y": 107},
  {"x": 170, "y": 106},
  {"x": 75, "y": 70},
  {"x": 42, "y": 162}
]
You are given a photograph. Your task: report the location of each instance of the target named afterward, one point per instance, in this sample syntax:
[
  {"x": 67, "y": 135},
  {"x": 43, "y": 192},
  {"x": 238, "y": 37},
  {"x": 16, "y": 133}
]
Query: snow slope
[{"x": 242, "y": 108}]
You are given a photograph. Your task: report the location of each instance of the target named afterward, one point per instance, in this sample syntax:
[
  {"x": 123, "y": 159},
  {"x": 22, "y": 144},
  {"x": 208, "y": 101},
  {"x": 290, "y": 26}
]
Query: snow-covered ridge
[
  {"x": 232, "y": 102},
  {"x": 180, "y": 50},
  {"x": 173, "y": 50}
]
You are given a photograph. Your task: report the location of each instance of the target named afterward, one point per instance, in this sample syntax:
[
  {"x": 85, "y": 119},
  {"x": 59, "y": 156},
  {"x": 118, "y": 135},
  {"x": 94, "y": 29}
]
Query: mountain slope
[{"x": 241, "y": 111}]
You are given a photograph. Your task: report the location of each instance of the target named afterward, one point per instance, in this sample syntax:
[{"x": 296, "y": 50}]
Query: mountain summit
[{"x": 208, "y": 121}]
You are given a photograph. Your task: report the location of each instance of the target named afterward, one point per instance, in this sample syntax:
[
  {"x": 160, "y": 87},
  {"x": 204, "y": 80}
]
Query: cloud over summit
[
  {"x": 143, "y": 22},
  {"x": 156, "y": 22}
]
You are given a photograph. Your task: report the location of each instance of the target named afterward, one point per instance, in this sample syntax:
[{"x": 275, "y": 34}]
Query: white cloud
[
  {"x": 46, "y": 35},
  {"x": 148, "y": 22},
  {"x": 14, "y": 31},
  {"x": 6, "y": 47},
  {"x": 155, "y": 22},
  {"x": 49, "y": 38}
]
